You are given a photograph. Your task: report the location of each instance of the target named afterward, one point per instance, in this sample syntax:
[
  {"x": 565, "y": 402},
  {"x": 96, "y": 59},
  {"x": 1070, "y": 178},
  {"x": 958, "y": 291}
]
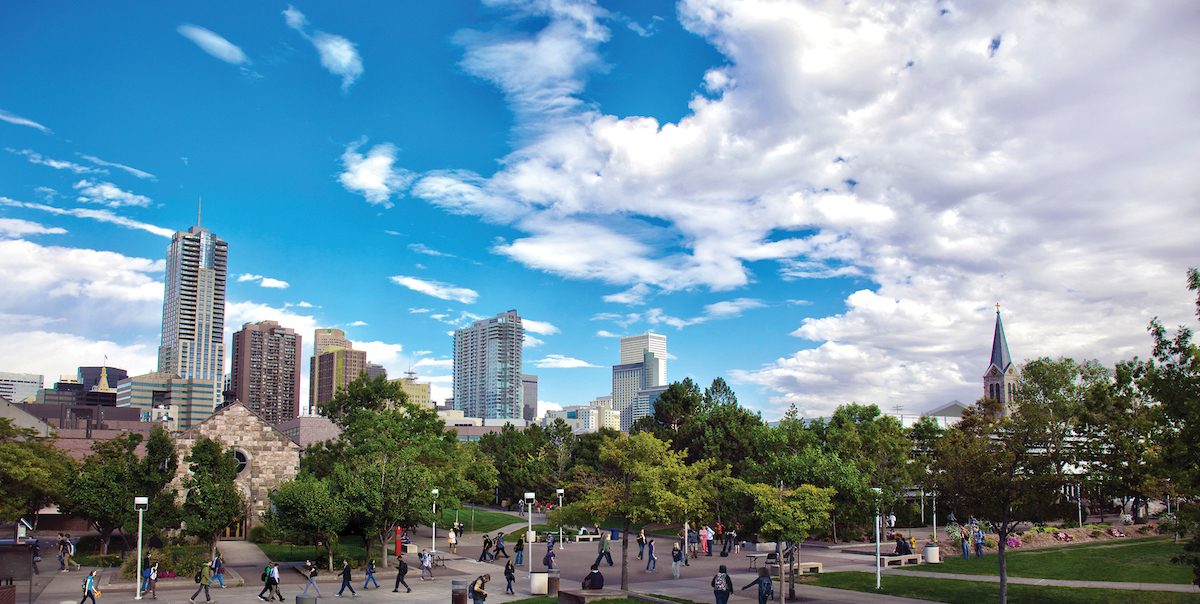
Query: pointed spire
[{"x": 1000, "y": 356}]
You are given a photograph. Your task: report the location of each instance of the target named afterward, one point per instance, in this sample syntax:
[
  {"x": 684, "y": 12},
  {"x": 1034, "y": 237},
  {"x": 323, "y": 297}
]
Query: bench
[
  {"x": 583, "y": 596},
  {"x": 754, "y": 558},
  {"x": 887, "y": 561},
  {"x": 587, "y": 537},
  {"x": 804, "y": 568}
]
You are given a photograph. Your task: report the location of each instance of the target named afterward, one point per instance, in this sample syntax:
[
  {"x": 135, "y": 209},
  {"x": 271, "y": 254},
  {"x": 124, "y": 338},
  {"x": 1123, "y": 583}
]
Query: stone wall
[{"x": 272, "y": 457}]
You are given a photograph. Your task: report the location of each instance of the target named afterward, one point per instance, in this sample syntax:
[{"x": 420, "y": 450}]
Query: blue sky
[{"x": 819, "y": 202}]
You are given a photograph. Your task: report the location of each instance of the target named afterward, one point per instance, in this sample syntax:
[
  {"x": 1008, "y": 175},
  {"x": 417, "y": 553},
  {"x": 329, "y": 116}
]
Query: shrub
[
  {"x": 180, "y": 560},
  {"x": 260, "y": 534},
  {"x": 1096, "y": 534},
  {"x": 1013, "y": 541}
]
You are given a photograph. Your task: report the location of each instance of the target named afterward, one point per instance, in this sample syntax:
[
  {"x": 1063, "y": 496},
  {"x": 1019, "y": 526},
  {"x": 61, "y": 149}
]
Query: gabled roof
[
  {"x": 194, "y": 431},
  {"x": 1000, "y": 357},
  {"x": 953, "y": 408}
]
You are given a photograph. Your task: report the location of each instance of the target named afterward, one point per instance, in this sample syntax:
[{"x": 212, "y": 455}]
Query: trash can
[
  {"x": 306, "y": 600},
  {"x": 933, "y": 554},
  {"x": 537, "y": 583},
  {"x": 553, "y": 576},
  {"x": 616, "y": 533},
  {"x": 458, "y": 591}
]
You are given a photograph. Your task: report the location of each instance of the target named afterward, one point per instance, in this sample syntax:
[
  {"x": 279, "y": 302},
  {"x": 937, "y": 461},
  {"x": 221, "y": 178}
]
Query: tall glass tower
[
  {"x": 487, "y": 368},
  {"x": 193, "y": 329}
]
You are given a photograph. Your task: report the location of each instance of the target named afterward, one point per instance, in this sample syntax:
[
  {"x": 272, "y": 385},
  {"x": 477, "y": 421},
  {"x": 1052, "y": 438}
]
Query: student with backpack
[
  {"x": 510, "y": 574},
  {"x": 89, "y": 588},
  {"x": 310, "y": 570},
  {"x": 722, "y": 585},
  {"x": 401, "y": 572},
  {"x": 548, "y": 559},
  {"x": 69, "y": 553},
  {"x": 500, "y": 547},
  {"x": 519, "y": 550},
  {"x": 346, "y": 580},
  {"x": 370, "y": 575},
  {"x": 478, "y": 595},
  {"x": 426, "y": 564},
  {"x": 765, "y": 588},
  {"x": 218, "y": 568},
  {"x": 204, "y": 578},
  {"x": 266, "y": 581}
]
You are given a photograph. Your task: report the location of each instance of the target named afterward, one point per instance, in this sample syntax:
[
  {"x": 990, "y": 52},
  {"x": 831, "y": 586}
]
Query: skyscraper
[
  {"x": 335, "y": 369},
  {"x": 633, "y": 347},
  {"x": 193, "y": 328},
  {"x": 16, "y": 387},
  {"x": 529, "y": 392},
  {"x": 487, "y": 368},
  {"x": 324, "y": 340},
  {"x": 90, "y": 376},
  {"x": 266, "y": 370}
]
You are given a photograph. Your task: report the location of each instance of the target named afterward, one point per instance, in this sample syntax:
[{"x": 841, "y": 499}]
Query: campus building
[
  {"x": 324, "y": 340},
  {"x": 19, "y": 387},
  {"x": 487, "y": 368},
  {"x": 335, "y": 369},
  {"x": 266, "y": 370},
  {"x": 418, "y": 392},
  {"x": 178, "y": 403}
]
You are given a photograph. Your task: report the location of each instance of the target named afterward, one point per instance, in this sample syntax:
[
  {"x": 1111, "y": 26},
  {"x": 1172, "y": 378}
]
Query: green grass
[
  {"x": 478, "y": 521},
  {"x": 974, "y": 592},
  {"x": 548, "y": 600},
  {"x": 1140, "y": 561},
  {"x": 350, "y": 547}
]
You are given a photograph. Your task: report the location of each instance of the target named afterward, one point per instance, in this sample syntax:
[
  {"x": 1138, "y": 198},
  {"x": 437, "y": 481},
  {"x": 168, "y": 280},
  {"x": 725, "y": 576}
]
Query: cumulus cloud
[
  {"x": 90, "y": 214},
  {"x": 17, "y": 120},
  {"x": 531, "y": 342},
  {"x": 427, "y": 362},
  {"x": 213, "y": 44},
  {"x": 604, "y": 333},
  {"x": 130, "y": 169},
  {"x": 14, "y": 228},
  {"x": 357, "y": 324},
  {"x": 915, "y": 150},
  {"x": 633, "y": 296},
  {"x": 37, "y": 158},
  {"x": 539, "y": 327},
  {"x": 558, "y": 361},
  {"x": 338, "y": 54},
  {"x": 423, "y": 249},
  {"x": 108, "y": 194},
  {"x": 267, "y": 282},
  {"x": 437, "y": 289},
  {"x": 374, "y": 175},
  {"x": 53, "y": 353}
]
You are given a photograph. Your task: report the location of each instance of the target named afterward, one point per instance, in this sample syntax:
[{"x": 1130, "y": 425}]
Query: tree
[
  {"x": 587, "y": 447},
  {"x": 520, "y": 459},
  {"x": 31, "y": 472},
  {"x": 307, "y": 510},
  {"x": 372, "y": 394},
  {"x": 787, "y": 514},
  {"x": 155, "y": 472},
  {"x": 680, "y": 401},
  {"x": 103, "y": 489},
  {"x": 999, "y": 468},
  {"x": 640, "y": 480},
  {"x": 211, "y": 500}
]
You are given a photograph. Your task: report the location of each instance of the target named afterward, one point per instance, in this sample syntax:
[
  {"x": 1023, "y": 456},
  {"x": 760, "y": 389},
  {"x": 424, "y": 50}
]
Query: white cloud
[
  {"x": 421, "y": 248},
  {"x": 558, "y": 361},
  {"x": 244, "y": 277},
  {"x": 90, "y": 214},
  {"x": 269, "y": 283},
  {"x": 426, "y": 362},
  {"x": 374, "y": 175},
  {"x": 273, "y": 283},
  {"x": 304, "y": 304},
  {"x": 213, "y": 44},
  {"x": 52, "y": 354},
  {"x": 108, "y": 194},
  {"x": 240, "y": 312},
  {"x": 437, "y": 289},
  {"x": 731, "y": 308},
  {"x": 531, "y": 342},
  {"x": 544, "y": 406},
  {"x": 633, "y": 296},
  {"x": 13, "y": 228},
  {"x": 539, "y": 327},
  {"x": 12, "y": 118},
  {"x": 421, "y": 353},
  {"x": 357, "y": 324},
  {"x": 419, "y": 311},
  {"x": 387, "y": 354},
  {"x": 604, "y": 333},
  {"x": 37, "y": 158},
  {"x": 338, "y": 55},
  {"x": 130, "y": 169}
]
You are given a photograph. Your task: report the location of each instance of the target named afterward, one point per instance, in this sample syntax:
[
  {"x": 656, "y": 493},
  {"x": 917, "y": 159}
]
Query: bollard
[
  {"x": 458, "y": 591},
  {"x": 552, "y": 579},
  {"x": 306, "y": 600}
]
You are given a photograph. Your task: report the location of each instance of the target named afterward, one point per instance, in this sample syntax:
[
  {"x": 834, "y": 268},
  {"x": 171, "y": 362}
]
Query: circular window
[{"x": 241, "y": 458}]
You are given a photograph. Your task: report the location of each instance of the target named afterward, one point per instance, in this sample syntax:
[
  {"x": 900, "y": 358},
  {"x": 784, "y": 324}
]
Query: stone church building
[{"x": 266, "y": 457}]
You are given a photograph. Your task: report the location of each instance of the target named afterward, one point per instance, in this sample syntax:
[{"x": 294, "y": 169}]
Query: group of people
[
  {"x": 65, "y": 546},
  {"x": 972, "y": 534},
  {"x": 213, "y": 571}
]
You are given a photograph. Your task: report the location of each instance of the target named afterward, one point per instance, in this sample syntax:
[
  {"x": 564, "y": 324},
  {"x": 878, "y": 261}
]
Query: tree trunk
[
  {"x": 625, "y": 554},
  {"x": 833, "y": 524},
  {"x": 1137, "y": 501},
  {"x": 105, "y": 535},
  {"x": 383, "y": 553}
]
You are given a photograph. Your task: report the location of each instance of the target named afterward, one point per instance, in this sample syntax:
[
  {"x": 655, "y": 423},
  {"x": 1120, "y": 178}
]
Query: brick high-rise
[{"x": 266, "y": 370}]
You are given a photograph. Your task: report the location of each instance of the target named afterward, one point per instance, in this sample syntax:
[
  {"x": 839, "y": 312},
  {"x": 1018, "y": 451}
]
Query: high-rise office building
[
  {"x": 336, "y": 368},
  {"x": 324, "y": 340},
  {"x": 529, "y": 387},
  {"x": 630, "y": 379},
  {"x": 178, "y": 403},
  {"x": 487, "y": 368},
  {"x": 193, "y": 327},
  {"x": 418, "y": 393},
  {"x": 90, "y": 377},
  {"x": 17, "y": 387},
  {"x": 633, "y": 347},
  {"x": 375, "y": 370},
  {"x": 266, "y": 370}
]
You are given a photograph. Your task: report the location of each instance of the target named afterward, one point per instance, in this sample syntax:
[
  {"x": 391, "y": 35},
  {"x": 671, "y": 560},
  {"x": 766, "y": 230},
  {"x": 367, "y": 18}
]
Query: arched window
[{"x": 242, "y": 458}]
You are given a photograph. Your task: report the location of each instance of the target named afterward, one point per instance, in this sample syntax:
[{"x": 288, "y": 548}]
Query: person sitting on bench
[
  {"x": 902, "y": 546},
  {"x": 594, "y": 579}
]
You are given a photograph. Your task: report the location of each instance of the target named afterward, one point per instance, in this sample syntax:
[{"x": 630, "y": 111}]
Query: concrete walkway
[
  {"x": 242, "y": 554},
  {"x": 1175, "y": 587}
]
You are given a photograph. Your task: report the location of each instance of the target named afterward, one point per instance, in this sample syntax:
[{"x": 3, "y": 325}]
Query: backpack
[
  {"x": 721, "y": 582},
  {"x": 764, "y": 587},
  {"x": 197, "y": 576},
  {"x": 83, "y": 585}
]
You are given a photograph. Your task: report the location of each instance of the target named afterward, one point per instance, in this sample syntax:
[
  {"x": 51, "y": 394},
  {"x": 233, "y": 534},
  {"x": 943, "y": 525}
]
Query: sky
[{"x": 820, "y": 202}]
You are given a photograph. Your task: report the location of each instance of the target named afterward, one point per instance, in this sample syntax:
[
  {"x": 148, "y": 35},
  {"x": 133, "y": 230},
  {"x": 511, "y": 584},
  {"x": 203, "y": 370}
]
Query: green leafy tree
[
  {"x": 103, "y": 489},
  {"x": 32, "y": 472},
  {"x": 640, "y": 480},
  {"x": 363, "y": 393},
  {"x": 586, "y": 452},
  {"x": 155, "y": 472},
  {"x": 680, "y": 401},
  {"x": 520, "y": 458},
  {"x": 787, "y": 514},
  {"x": 307, "y": 510},
  {"x": 1000, "y": 469},
  {"x": 211, "y": 499}
]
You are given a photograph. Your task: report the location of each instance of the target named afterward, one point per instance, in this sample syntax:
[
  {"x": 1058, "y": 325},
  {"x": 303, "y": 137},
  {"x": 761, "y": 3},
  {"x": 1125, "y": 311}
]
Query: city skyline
[{"x": 820, "y": 203}]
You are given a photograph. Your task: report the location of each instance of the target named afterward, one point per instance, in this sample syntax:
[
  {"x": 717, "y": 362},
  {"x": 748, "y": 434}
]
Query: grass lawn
[
  {"x": 548, "y": 600},
  {"x": 1140, "y": 560},
  {"x": 478, "y": 521},
  {"x": 974, "y": 592},
  {"x": 349, "y": 546}
]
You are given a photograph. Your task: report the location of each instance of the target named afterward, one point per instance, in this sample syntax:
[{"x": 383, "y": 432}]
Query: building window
[{"x": 242, "y": 460}]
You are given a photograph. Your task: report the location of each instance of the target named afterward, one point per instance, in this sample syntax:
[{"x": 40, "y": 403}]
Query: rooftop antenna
[{"x": 199, "y": 206}]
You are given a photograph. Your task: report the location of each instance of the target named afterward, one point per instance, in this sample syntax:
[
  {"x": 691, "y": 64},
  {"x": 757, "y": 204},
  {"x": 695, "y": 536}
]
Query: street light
[
  {"x": 560, "y": 526},
  {"x": 878, "y": 494},
  {"x": 529, "y": 534},
  {"x": 140, "y": 504},
  {"x": 433, "y": 540}
]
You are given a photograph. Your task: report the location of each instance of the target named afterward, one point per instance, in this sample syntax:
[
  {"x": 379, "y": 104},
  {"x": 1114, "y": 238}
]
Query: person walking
[
  {"x": 401, "y": 572},
  {"x": 275, "y": 583},
  {"x": 89, "y": 588},
  {"x": 704, "y": 538},
  {"x": 500, "y": 547},
  {"x": 510, "y": 574},
  {"x": 205, "y": 581},
  {"x": 603, "y": 550},
  {"x": 519, "y": 550},
  {"x": 310, "y": 571},
  {"x": 641, "y": 541},
  {"x": 452, "y": 541},
  {"x": 70, "y": 553},
  {"x": 765, "y": 588},
  {"x": 979, "y": 541},
  {"x": 458, "y": 529},
  {"x": 370, "y": 575},
  {"x": 477, "y": 591},
  {"x": 218, "y": 567},
  {"x": 153, "y": 582},
  {"x": 426, "y": 564},
  {"x": 346, "y": 580},
  {"x": 676, "y": 558},
  {"x": 548, "y": 559},
  {"x": 146, "y": 572},
  {"x": 60, "y": 547},
  {"x": 651, "y": 559},
  {"x": 722, "y": 585},
  {"x": 485, "y": 554},
  {"x": 966, "y": 543},
  {"x": 266, "y": 581}
]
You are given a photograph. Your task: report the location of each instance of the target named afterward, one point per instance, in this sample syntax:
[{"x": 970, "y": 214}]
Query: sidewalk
[{"x": 1175, "y": 587}]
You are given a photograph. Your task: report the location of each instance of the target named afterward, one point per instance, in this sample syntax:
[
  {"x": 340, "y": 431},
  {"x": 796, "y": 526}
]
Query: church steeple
[{"x": 1001, "y": 375}]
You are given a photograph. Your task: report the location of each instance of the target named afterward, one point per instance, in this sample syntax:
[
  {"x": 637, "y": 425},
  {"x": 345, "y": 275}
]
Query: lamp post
[
  {"x": 560, "y": 526},
  {"x": 140, "y": 504},
  {"x": 529, "y": 534},
  {"x": 433, "y": 540},
  {"x": 878, "y": 571}
]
